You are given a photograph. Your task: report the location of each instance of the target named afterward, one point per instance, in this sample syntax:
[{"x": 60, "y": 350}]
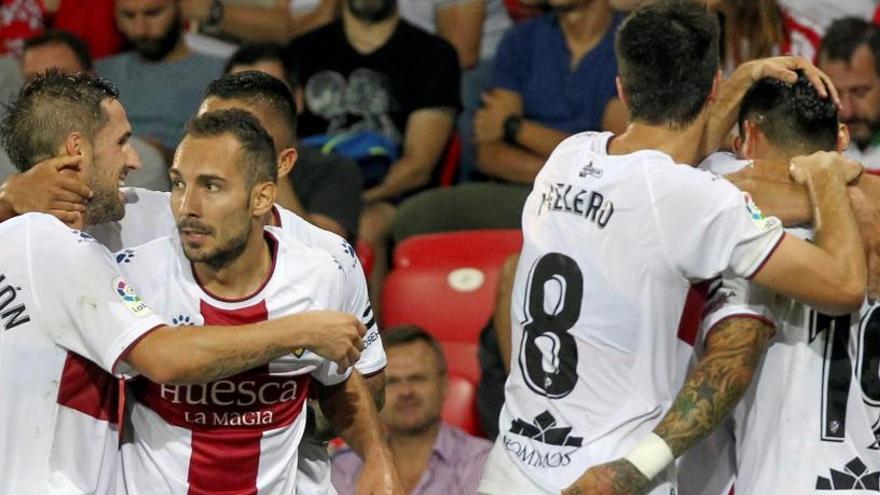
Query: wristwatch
[
  {"x": 511, "y": 128},
  {"x": 215, "y": 14}
]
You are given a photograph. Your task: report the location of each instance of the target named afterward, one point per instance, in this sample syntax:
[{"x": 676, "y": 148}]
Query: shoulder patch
[{"x": 130, "y": 298}]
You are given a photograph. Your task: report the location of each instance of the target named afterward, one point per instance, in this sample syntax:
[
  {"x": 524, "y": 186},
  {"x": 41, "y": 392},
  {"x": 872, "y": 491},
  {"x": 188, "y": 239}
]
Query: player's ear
[
  {"x": 75, "y": 144},
  {"x": 286, "y": 161},
  {"x": 842, "y": 137},
  {"x": 737, "y": 145},
  {"x": 262, "y": 198}
]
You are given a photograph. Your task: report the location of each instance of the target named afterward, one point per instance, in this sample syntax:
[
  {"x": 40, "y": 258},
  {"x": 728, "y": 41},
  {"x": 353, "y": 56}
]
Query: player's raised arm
[
  {"x": 350, "y": 410},
  {"x": 830, "y": 275},
  {"x": 187, "y": 354}
]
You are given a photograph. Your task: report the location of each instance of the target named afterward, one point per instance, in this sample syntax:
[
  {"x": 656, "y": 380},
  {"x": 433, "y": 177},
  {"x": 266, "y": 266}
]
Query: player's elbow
[{"x": 848, "y": 298}]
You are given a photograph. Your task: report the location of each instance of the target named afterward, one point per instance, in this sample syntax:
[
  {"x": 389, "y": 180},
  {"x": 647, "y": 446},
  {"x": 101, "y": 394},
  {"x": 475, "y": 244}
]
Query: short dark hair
[
  {"x": 792, "y": 116},
  {"x": 846, "y": 35},
  {"x": 255, "y": 87},
  {"x": 256, "y": 144},
  {"x": 407, "y": 334},
  {"x": 56, "y": 36},
  {"x": 667, "y": 55},
  {"x": 252, "y": 53},
  {"x": 47, "y": 109}
]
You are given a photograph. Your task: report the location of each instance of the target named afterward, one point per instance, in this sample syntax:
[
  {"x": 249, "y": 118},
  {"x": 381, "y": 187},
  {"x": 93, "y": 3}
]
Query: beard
[
  {"x": 155, "y": 49},
  {"x": 222, "y": 255},
  {"x": 372, "y": 11},
  {"x": 863, "y": 139},
  {"x": 105, "y": 205}
]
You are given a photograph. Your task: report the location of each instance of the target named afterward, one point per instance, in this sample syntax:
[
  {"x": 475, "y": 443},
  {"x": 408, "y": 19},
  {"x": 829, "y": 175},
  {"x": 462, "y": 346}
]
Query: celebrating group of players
[{"x": 650, "y": 297}]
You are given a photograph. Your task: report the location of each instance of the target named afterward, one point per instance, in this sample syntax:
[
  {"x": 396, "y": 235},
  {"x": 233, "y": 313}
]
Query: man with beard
[
  {"x": 240, "y": 434},
  {"x": 70, "y": 318},
  {"x": 849, "y": 55},
  {"x": 430, "y": 456},
  {"x": 372, "y": 74},
  {"x": 161, "y": 80}
]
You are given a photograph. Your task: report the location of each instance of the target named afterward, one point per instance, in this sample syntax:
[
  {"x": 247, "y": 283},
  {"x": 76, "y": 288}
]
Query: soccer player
[
  {"x": 815, "y": 404},
  {"x": 69, "y": 317},
  {"x": 242, "y": 433},
  {"x": 619, "y": 240},
  {"x": 272, "y": 103}
]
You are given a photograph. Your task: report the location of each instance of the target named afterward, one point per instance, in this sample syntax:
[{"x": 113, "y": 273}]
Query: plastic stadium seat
[
  {"x": 460, "y": 408},
  {"x": 479, "y": 248},
  {"x": 446, "y": 283},
  {"x": 461, "y": 359},
  {"x": 366, "y": 255}
]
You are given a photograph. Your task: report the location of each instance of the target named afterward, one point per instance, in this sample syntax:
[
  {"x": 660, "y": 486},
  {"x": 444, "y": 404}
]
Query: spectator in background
[
  {"x": 323, "y": 189},
  {"x": 553, "y": 77},
  {"x": 372, "y": 74},
  {"x": 430, "y": 456},
  {"x": 161, "y": 80},
  {"x": 474, "y": 28},
  {"x": 850, "y": 55},
  {"x": 54, "y": 49},
  {"x": 278, "y": 22},
  {"x": 68, "y": 53}
]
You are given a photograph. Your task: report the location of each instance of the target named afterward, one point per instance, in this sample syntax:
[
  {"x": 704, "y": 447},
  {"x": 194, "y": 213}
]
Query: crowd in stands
[{"x": 403, "y": 118}]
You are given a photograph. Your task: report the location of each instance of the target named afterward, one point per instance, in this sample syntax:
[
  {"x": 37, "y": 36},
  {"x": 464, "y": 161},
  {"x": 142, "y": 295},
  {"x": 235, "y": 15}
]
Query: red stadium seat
[
  {"x": 477, "y": 248},
  {"x": 460, "y": 408},
  {"x": 366, "y": 255},
  {"x": 461, "y": 359},
  {"x": 446, "y": 283}
]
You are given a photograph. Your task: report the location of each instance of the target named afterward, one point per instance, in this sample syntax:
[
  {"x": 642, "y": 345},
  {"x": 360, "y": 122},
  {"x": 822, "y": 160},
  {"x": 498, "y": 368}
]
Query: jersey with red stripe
[
  {"x": 613, "y": 248},
  {"x": 237, "y": 435},
  {"x": 67, "y": 317},
  {"x": 148, "y": 217},
  {"x": 815, "y": 403}
]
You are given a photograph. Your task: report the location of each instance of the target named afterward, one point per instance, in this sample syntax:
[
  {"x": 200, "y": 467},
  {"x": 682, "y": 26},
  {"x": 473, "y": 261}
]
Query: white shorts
[{"x": 502, "y": 477}]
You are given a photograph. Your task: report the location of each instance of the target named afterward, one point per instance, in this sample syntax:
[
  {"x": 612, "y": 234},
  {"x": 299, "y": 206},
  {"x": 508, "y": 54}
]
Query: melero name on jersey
[{"x": 566, "y": 198}]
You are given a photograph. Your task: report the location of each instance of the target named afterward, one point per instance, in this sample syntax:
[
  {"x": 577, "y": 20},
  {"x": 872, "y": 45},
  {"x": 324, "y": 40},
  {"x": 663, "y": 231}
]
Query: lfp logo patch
[{"x": 130, "y": 298}]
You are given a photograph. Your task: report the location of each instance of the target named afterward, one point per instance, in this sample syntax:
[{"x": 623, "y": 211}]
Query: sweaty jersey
[
  {"x": 239, "y": 434},
  {"x": 615, "y": 248},
  {"x": 811, "y": 419},
  {"x": 67, "y": 317}
]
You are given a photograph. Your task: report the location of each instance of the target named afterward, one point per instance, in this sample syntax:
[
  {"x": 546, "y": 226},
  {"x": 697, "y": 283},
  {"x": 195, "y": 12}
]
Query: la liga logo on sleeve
[{"x": 129, "y": 298}]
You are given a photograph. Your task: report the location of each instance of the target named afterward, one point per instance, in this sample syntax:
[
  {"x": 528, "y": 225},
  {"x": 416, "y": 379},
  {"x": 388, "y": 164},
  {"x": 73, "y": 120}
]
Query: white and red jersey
[
  {"x": 148, "y": 217},
  {"x": 615, "y": 249},
  {"x": 67, "y": 317},
  {"x": 815, "y": 402},
  {"x": 239, "y": 434}
]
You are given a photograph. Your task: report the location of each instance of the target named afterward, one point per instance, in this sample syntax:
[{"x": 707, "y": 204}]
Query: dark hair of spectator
[
  {"x": 252, "y": 53},
  {"x": 256, "y": 87},
  {"x": 47, "y": 109},
  {"x": 54, "y": 36},
  {"x": 792, "y": 116},
  {"x": 407, "y": 334},
  {"x": 845, "y": 35},
  {"x": 258, "y": 150},
  {"x": 667, "y": 55}
]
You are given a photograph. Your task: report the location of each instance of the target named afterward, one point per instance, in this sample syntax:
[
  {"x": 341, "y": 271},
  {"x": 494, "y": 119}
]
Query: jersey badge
[
  {"x": 541, "y": 443},
  {"x": 590, "y": 170},
  {"x": 757, "y": 216},
  {"x": 130, "y": 298}
]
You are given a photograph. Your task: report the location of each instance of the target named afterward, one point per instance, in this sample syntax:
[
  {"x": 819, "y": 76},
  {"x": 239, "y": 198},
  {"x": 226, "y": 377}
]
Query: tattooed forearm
[
  {"x": 618, "y": 477},
  {"x": 215, "y": 369},
  {"x": 733, "y": 351}
]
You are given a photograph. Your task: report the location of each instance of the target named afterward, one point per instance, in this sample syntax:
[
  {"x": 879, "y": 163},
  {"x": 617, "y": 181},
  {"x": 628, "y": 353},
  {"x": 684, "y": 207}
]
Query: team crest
[{"x": 130, "y": 298}]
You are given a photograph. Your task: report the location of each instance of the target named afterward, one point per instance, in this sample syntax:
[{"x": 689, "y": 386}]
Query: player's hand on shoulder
[
  {"x": 48, "y": 187},
  {"x": 618, "y": 477},
  {"x": 803, "y": 167},
  {"x": 335, "y": 335}
]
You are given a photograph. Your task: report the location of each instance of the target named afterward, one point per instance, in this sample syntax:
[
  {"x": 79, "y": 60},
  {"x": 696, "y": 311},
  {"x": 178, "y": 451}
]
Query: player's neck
[
  {"x": 683, "y": 145},
  {"x": 585, "y": 26},
  {"x": 244, "y": 275}
]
